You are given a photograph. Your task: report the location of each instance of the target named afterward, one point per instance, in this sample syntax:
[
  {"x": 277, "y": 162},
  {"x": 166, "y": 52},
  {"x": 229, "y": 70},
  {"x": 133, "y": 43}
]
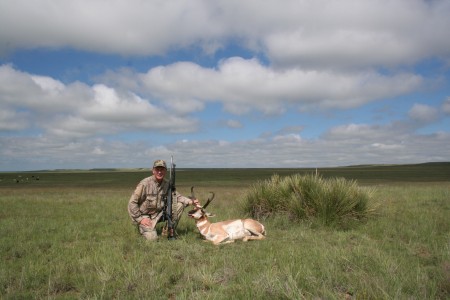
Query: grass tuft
[{"x": 335, "y": 202}]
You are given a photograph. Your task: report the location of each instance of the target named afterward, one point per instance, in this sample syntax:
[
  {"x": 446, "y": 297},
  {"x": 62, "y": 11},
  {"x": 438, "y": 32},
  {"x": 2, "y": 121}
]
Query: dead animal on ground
[{"x": 226, "y": 231}]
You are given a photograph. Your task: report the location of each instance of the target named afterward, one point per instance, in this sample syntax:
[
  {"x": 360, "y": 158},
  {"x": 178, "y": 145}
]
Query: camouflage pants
[{"x": 149, "y": 232}]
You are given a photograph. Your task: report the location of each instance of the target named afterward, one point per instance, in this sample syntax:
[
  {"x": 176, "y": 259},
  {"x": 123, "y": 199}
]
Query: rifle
[{"x": 169, "y": 204}]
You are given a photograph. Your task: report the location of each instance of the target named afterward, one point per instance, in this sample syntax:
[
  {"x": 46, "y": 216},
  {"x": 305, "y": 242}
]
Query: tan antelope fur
[{"x": 226, "y": 231}]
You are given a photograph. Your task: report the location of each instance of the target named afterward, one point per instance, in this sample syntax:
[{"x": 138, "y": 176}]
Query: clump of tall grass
[{"x": 331, "y": 202}]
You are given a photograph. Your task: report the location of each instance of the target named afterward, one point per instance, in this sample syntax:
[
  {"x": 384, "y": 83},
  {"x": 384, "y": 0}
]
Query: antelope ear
[{"x": 209, "y": 215}]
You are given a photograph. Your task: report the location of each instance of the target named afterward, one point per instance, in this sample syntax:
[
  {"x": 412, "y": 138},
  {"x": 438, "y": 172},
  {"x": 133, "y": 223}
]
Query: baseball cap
[{"x": 159, "y": 163}]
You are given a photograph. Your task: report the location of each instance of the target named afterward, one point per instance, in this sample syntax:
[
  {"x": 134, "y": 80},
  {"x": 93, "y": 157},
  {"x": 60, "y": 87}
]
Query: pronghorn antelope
[{"x": 226, "y": 231}]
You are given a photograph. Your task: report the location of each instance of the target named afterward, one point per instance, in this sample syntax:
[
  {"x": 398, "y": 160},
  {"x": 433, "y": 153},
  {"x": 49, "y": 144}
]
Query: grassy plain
[{"x": 68, "y": 236}]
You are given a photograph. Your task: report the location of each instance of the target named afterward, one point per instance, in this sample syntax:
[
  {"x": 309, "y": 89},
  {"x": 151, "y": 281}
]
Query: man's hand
[
  {"x": 195, "y": 203},
  {"x": 146, "y": 222}
]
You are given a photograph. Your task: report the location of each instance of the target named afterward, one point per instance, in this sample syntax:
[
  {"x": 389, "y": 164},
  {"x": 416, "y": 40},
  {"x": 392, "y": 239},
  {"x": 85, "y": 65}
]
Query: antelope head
[{"x": 199, "y": 211}]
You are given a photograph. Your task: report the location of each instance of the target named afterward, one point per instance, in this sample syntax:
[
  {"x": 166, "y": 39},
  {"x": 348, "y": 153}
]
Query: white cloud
[
  {"x": 79, "y": 110},
  {"x": 39, "y": 93},
  {"x": 48, "y": 84},
  {"x": 108, "y": 105},
  {"x": 290, "y": 130},
  {"x": 98, "y": 151},
  {"x": 288, "y": 138},
  {"x": 70, "y": 127},
  {"x": 446, "y": 106},
  {"x": 343, "y": 145},
  {"x": 371, "y": 33},
  {"x": 352, "y": 132},
  {"x": 301, "y": 33},
  {"x": 125, "y": 27},
  {"x": 245, "y": 84},
  {"x": 387, "y": 147},
  {"x": 11, "y": 120},
  {"x": 423, "y": 113},
  {"x": 180, "y": 89},
  {"x": 233, "y": 124}
]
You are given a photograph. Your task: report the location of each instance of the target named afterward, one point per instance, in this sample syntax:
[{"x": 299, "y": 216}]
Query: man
[{"x": 146, "y": 205}]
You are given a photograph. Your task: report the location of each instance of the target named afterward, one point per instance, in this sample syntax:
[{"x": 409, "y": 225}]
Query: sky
[{"x": 223, "y": 84}]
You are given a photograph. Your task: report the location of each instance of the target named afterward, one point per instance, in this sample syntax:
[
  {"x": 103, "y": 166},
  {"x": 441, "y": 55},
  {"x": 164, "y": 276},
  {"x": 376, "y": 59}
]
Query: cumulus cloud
[
  {"x": 242, "y": 85},
  {"x": 341, "y": 145},
  {"x": 39, "y": 93},
  {"x": 423, "y": 113},
  {"x": 233, "y": 124},
  {"x": 387, "y": 33},
  {"x": 446, "y": 106},
  {"x": 11, "y": 120},
  {"x": 125, "y": 27},
  {"x": 300, "y": 33},
  {"x": 355, "y": 132},
  {"x": 79, "y": 110}
]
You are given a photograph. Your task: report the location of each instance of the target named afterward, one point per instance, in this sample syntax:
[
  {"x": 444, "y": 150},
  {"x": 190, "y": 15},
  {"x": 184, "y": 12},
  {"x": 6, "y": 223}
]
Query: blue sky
[{"x": 280, "y": 84}]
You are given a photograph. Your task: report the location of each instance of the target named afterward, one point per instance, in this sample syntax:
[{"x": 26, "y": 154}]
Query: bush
[{"x": 331, "y": 202}]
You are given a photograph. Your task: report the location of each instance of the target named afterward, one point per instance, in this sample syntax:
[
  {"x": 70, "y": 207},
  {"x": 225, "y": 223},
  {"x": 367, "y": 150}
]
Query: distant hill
[{"x": 433, "y": 164}]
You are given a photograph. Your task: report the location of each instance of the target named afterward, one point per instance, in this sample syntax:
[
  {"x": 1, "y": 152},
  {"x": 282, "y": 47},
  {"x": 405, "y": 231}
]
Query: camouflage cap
[{"x": 159, "y": 163}]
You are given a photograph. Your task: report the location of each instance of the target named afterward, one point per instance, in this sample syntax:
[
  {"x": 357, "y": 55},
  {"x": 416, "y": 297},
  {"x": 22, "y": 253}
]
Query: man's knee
[{"x": 150, "y": 235}]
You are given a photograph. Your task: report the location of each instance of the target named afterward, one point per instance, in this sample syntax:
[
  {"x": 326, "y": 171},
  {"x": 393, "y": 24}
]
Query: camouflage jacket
[{"x": 149, "y": 198}]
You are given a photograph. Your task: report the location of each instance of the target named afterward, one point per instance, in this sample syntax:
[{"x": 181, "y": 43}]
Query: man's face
[{"x": 159, "y": 173}]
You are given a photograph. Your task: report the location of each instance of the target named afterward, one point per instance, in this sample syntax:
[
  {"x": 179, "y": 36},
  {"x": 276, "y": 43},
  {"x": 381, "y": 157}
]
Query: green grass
[
  {"x": 68, "y": 236},
  {"x": 335, "y": 202}
]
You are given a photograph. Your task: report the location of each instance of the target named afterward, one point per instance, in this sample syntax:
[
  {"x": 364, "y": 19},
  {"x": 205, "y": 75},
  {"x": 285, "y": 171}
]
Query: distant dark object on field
[{"x": 20, "y": 179}]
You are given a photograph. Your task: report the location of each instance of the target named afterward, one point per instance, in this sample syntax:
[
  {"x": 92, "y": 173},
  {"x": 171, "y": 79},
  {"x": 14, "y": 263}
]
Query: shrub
[{"x": 331, "y": 202}]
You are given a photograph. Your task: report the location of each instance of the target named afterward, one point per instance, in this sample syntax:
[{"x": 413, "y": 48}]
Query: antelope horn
[
  {"x": 192, "y": 193},
  {"x": 209, "y": 200}
]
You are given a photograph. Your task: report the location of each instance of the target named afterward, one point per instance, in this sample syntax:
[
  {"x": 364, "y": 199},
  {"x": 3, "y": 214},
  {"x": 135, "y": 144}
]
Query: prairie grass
[
  {"x": 75, "y": 241},
  {"x": 333, "y": 202}
]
